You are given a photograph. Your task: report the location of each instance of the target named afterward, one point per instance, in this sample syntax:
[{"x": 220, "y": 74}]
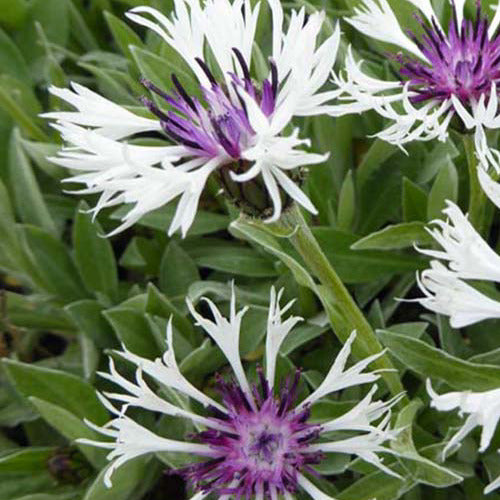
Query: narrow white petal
[{"x": 311, "y": 489}]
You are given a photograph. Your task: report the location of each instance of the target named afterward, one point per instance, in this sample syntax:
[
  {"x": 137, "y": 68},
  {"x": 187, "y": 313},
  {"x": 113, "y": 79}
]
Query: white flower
[
  {"x": 483, "y": 410},
  {"x": 468, "y": 255},
  {"x": 235, "y": 130},
  {"x": 252, "y": 421},
  {"x": 447, "y": 294},
  {"x": 443, "y": 74}
]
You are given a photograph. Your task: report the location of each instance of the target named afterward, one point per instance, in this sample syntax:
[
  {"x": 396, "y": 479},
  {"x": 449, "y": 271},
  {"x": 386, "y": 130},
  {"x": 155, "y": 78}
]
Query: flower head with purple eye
[
  {"x": 462, "y": 63},
  {"x": 444, "y": 73},
  {"x": 255, "y": 441},
  {"x": 225, "y": 121}
]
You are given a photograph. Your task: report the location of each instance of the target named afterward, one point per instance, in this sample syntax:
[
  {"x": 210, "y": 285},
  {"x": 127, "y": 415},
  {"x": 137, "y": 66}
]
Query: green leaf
[
  {"x": 445, "y": 187},
  {"x": 72, "y": 428},
  {"x": 177, "y": 271},
  {"x": 377, "y": 485},
  {"x": 57, "y": 387},
  {"x": 346, "y": 210},
  {"x": 362, "y": 266},
  {"x": 431, "y": 362},
  {"x": 25, "y": 461},
  {"x": 233, "y": 259},
  {"x": 122, "y": 33},
  {"x": 422, "y": 469},
  {"x": 26, "y": 312},
  {"x": 12, "y": 255},
  {"x": 53, "y": 17},
  {"x": 94, "y": 255},
  {"x": 27, "y": 195},
  {"x": 87, "y": 316},
  {"x": 159, "y": 305},
  {"x": 10, "y": 102},
  {"x": 54, "y": 264},
  {"x": 379, "y": 152},
  {"x": 11, "y": 59},
  {"x": 395, "y": 237},
  {"x": 132, "y": 328},
  {"x": 129, "y": 481},
  {"x": 414, "y": 202}
]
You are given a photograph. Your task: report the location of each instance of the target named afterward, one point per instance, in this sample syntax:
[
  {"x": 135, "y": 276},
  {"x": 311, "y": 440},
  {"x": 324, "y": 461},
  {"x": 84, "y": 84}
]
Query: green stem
[
  {"x": 479, "y": 211},
  {"x": 349, "y": 315}
]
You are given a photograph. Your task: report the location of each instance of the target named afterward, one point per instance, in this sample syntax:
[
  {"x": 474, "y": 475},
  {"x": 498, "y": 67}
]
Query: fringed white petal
[
  {"x": 468, "y": 255},
  {"x": 493, "y": 485},
  {"x": 311, "y": 489},
  {"x": 133, "y": 440},
  {"x": 230, "y": 25},
  {"x": 277, "y": 330},
  {"x": 366, "y": 446},
  {"x": 446, "y": 294},
  {"x": 363, "y": 414},
  {"x": 482, "y": 408},
  {"x": 109, "y": 119},
  {"x": 376, "y": 19},
  {"x": 339, "y": 378},
  {"x": 490, "y": 187},
  {"x": 184, "y": 32},
  {"x": 495, "y": 22},
  {"x": 141, "y": 395},
  {"x": 165, "y": 371},
  {"x": 226, "y": 334}
]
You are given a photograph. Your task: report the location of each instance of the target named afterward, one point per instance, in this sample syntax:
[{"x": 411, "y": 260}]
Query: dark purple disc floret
[
  {"x": 218, "y": 123},
  {"x": 264, "y": 447},
  {"x": 463, "y": 63}
]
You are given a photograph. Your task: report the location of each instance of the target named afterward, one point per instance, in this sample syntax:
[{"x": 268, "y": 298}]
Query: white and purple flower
[
  {"x": 444, "y": 74},
  {"x": 256, "y": 441},
  {"x": 230, "y": 126}
]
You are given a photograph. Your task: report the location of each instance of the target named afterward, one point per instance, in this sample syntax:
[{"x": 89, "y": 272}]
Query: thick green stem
[
  {"x": 349, "y": 315},
  {"x": 479, "y": 207}
]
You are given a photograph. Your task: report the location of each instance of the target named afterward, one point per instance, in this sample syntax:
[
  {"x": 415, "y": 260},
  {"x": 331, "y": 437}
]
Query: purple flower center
[
  {"x": 264, "y": 447},
  {"x": 217, "y": 123},
  {"x": 463, "y": 63}
]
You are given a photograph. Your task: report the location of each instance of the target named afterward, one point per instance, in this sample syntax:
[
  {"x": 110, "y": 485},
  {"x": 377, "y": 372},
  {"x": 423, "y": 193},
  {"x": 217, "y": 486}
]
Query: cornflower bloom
[
  {"x": 226, "y": 125},
  {"x": 483, "y": 410},
  {"x": 446, "y": 76},
  {"x": 464, "y": 256},
  {"x": 256, "y": 441}
]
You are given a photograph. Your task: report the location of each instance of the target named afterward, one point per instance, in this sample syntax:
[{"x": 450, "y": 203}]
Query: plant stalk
[{"x": 349, "y": 316}]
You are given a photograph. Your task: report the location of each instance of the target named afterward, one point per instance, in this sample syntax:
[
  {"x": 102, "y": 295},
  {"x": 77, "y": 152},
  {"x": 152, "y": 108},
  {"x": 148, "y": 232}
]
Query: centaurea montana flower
[
  {"x": 445, "y": 74},
  {"x": 464, "y": 256},
  {"x": 230, "y": 125},
  {"x": 255, "y": 442},
  {"x": 483, "y": 410}
]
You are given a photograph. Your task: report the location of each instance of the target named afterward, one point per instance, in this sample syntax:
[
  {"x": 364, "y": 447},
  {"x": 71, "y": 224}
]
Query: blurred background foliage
[{"x": 70, "y": 296}]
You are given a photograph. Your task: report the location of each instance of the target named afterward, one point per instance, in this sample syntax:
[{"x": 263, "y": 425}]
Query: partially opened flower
[
  {"x": 445, "y": 293},
  {"x": 482, "y": 410},
  {"x": 226, "y": 125},
  {"x": 464, "y": 255},
  {"x": 257, "y": 440},
  {"x": 444, "y": 72}
]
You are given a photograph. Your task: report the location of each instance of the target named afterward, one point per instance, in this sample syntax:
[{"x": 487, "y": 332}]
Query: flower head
[
  {"x": 483, "y": 410},
  {"x": 464, "y": 255},
  {"x": 256, "y": 441},
  {"x": 227, "y": 123},
  {"x": 444, "y": 73}
]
